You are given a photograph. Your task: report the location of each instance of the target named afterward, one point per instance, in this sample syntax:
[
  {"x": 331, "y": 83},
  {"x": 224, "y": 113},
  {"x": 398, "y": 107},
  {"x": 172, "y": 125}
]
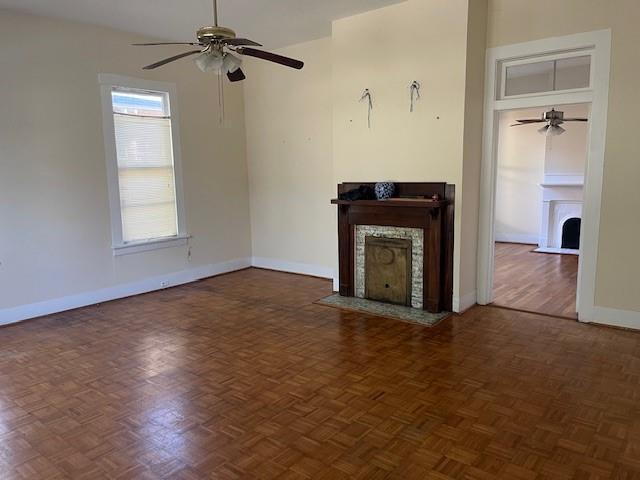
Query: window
[
  {"x": 558, "y": 73},
  {"x": 143, "y": 164}
]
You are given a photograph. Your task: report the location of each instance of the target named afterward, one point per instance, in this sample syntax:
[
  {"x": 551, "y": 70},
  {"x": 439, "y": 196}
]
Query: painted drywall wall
[
  {"x": 288, "y": 125},
  {"x": 472, "y": 151},
  {"x": 521, "y": 158},
  {"x": 321, "y": 136},
  {"x": 428, "y": 144},
  {"x": 513, "y": 21},
  {"x": 524, "y": 158},
  {"x": 54, "y": 209}
]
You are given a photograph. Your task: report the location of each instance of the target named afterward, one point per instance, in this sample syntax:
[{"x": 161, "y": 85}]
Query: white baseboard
[
  {"x": 562, "y": 251},
  {"x": 517, "y": 238},
  {"x": 292, "y": 267},
  {"x": 465, "y": 302},
  {"x": 56, "y": 305},
  {"x": 612, "y": 317}
]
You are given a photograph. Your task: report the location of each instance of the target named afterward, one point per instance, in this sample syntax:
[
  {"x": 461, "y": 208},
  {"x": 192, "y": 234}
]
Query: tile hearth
[{"x": 387, "y": 310}]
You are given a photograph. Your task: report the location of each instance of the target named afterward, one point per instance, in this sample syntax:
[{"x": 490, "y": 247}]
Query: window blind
[{"x": 145, "y": 165}]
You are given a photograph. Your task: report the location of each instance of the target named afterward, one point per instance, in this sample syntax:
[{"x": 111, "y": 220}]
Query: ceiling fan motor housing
[
  {"x": 209, "y": 34},
  {"x": 554, "y": 115}
]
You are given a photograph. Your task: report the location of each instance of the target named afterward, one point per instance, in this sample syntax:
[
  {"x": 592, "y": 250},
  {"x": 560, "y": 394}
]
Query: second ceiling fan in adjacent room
[
  {"x": 553, "y": 120},
  {"x": 217, "y": 48}
]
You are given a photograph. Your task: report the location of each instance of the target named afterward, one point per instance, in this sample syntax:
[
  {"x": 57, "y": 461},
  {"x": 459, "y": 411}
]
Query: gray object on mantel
[{"x": 384, "y": 190}]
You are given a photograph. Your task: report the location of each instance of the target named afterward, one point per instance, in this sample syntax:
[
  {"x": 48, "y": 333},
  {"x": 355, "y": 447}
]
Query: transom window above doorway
[{"x": 563, "y": 72}]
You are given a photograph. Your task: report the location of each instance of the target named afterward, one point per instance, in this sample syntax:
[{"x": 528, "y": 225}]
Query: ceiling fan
[
  {"x": 216, "y": 53},
  {"x": 553, "y": 120}
]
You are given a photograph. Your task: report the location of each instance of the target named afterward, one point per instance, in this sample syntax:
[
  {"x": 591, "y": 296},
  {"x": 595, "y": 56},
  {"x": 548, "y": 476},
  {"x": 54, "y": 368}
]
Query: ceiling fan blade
[
  {"x": 576, "y": 119},
  {"x": 236, "y": 76},
  {"x": 170, "y": 59},
  {"x": 240, "y": 41},
  {"x": 165, "y": 43},
  {"x": 271, "y": 57},
  {"x": 531, "y": 120}
]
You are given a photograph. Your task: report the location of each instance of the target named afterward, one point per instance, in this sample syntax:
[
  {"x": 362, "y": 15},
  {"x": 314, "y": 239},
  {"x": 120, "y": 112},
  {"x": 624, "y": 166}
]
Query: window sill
[{"x": 137, "y": 247}]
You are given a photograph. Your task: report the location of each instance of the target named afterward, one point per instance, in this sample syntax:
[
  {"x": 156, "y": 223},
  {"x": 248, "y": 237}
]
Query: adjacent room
[
  {"x": 539, "y": 197},
  {"x": 291, "y": 239}
]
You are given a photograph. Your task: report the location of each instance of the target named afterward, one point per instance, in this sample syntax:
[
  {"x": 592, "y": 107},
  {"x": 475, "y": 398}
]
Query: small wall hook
[
  {"x": 366, "y": 96},
  {"x": 414, "y": 93}
]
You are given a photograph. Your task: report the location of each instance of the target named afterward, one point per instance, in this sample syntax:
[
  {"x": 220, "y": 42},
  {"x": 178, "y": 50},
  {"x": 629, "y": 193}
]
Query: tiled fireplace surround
[{"x": 416, "y": 235}]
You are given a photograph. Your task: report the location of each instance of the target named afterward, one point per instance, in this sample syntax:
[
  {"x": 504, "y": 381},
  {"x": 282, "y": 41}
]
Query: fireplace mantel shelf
[{"x": 394, "y": 202}]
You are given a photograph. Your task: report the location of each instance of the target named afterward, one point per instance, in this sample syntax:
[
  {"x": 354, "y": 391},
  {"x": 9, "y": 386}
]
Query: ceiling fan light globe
[
  {"x": 555, "y": 130},
  {"x": 543, "y": 130},
  {"x": 209, "y": 62},
  {"x": 231, "y": 63}
]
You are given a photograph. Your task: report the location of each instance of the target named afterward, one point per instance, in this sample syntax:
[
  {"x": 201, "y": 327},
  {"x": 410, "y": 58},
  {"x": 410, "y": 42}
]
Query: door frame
[{"x": 598, "y": 97}]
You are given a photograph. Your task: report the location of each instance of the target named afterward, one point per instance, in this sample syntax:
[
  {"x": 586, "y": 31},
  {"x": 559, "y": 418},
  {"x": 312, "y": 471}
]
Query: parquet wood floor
[
  {"x": 243, "y": 377},
  {"x": 535, "y": 282}
]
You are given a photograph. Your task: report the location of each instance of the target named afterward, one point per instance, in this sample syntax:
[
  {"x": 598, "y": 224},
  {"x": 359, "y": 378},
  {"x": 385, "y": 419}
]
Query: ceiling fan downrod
[{"x": 215, "y": 13}]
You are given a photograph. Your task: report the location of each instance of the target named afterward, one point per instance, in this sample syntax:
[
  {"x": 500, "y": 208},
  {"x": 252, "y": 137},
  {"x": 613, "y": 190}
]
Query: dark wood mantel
[{"x": 428, "y": 206}]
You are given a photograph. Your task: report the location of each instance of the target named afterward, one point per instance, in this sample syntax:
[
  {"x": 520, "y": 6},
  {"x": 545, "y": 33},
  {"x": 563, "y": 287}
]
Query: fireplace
[
  {"x": 412, "y": 237},
  {"x": 561, "y": 203},
  {"x": 571, "y": 233},
  {"x": 387, "y": 270},
  {"x": 398, "y": 250}
]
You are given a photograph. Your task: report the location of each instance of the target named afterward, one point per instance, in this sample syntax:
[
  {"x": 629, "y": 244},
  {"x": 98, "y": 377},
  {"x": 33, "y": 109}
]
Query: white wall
[
  {"x": 53, "y": 194},
  {"x": 524, "y": 157},
  {"x": 472, "y": 153},
  {"x": 54, "y": 210},
  {"x": 435, "y": 142},
  {"x": 521, "y": 157},
  {"x": 307, "y": 131},
  {"x": 289, "y": 133}
]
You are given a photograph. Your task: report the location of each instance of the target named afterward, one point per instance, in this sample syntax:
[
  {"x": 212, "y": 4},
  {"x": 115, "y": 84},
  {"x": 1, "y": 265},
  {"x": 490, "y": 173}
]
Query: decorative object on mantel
[
  {"x": 363, "y": 192},
  {"x": 414, "y": 93},
  {"x": 366, "y": 96},
  {"x": 384, "y": 190}
]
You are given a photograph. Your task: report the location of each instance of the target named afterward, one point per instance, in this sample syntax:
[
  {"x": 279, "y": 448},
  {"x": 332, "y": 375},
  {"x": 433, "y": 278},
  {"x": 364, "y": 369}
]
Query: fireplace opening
[
  {"x": 387, "y": 270},
  {"x": 571, "y": 233}
]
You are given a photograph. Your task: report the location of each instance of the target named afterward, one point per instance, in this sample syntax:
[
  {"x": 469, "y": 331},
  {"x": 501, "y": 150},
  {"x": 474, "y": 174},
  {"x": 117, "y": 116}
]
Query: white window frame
[
  {"x": 504, "y": 64},
  {"x": 120, "y": 247}
]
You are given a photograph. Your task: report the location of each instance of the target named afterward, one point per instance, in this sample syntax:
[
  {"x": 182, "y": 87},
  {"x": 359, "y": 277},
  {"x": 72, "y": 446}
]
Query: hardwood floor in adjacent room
[
  {"x": 244, "y": 377},
  {"x": 535, "y": 282}
]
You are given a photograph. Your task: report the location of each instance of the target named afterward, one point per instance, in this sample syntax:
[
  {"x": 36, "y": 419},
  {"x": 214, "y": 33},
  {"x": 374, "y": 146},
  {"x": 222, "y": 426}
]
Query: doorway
[
  {"x": 559, "y": 72},
  {"x": 538, "y": 210}
]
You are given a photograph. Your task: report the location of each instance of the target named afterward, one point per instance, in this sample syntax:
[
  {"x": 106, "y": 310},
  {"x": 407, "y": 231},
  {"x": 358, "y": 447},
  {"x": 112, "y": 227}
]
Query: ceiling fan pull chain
[
  {"x": 414, "y": 92},
  {"x": 221, "y": 98},
  {"x": 366, "y": 95}
]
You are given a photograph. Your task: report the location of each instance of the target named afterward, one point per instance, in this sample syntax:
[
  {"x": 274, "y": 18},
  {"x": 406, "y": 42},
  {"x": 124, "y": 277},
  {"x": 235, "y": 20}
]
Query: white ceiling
[{"x": 274, "y": 23}]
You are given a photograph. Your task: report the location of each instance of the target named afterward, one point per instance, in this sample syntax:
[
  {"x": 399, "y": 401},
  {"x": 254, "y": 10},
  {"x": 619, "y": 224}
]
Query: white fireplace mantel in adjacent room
[{"x": 561, "y": 200}]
